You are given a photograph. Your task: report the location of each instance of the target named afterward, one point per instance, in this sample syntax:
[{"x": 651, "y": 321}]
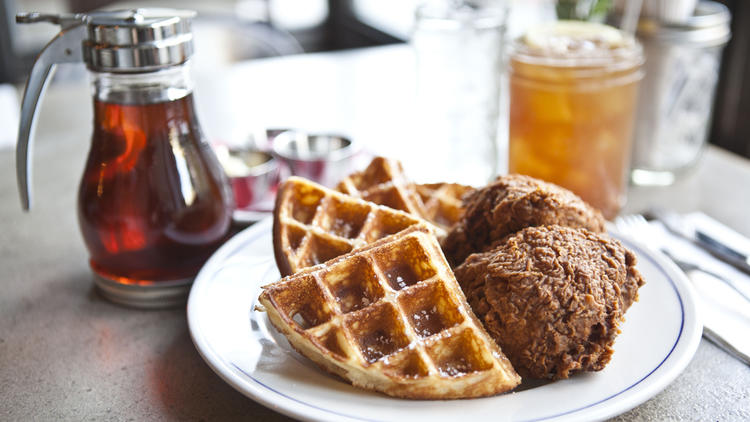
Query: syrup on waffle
[
  {"x": 313, "y": 224},
  {"x": 390, "y": 317}
]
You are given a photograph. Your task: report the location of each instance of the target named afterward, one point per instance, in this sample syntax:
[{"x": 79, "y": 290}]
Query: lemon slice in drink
[{"x": 575, "y": 38}]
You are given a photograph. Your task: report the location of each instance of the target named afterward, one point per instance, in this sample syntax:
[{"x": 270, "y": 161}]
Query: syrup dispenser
[{"x": 153, "y": 202}]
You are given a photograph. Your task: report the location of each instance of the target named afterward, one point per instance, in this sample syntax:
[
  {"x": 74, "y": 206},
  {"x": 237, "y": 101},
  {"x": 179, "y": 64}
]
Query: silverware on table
[
  {"x": 709, "y": 241},
  {"x": 687, "y": 266},
  {"x": 636, "y": 226},
  {"x": 725, "y": 345}
]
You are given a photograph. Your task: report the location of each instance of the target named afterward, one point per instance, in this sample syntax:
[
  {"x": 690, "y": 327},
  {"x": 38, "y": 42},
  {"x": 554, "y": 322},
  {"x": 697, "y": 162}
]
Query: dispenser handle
[{"x": 64, "y": 48}]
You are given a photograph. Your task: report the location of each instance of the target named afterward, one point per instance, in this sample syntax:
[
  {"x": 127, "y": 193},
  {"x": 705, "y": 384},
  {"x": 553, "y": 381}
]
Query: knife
[
  {"x": 725, "y": 345},
  {"x": 707, "y": 233}
]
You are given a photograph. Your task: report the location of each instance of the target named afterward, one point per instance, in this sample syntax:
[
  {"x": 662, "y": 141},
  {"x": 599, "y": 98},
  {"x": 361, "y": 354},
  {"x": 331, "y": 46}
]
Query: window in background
[
  {"x": 298, "y": 15},
  {"x": 395, "y": 17}
]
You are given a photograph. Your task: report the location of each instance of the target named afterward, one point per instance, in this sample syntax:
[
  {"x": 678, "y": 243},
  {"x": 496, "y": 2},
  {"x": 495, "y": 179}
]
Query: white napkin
[{"x": 725, "y": 313}]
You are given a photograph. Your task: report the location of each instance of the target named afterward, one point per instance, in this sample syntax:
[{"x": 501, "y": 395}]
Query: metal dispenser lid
[
  {"x": 121, "y": 41},
  {"x": 137, "y": 40}
]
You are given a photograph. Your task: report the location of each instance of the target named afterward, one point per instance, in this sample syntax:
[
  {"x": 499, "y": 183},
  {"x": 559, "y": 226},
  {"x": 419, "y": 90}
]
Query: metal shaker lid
[
  {"x": 138, "y": 40},
  {"x": 708, "y": 26}
]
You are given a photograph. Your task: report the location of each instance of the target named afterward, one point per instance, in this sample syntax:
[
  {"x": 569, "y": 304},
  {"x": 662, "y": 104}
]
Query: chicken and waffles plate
[{"x": 658, "y": 340}]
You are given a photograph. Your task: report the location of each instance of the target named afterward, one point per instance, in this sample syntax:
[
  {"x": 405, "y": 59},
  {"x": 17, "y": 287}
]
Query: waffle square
[
  {"x": 313, "y": 224},
  {"x": 384, "y": 182},
  {"x": 390, "y": 317}
]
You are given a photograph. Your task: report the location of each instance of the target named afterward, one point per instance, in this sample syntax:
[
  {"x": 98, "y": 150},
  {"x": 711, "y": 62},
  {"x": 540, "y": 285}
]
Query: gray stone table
[{"x": 67, "y": 354}]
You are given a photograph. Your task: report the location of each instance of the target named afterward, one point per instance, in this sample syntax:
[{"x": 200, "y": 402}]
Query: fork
[{"x": 636, "y": 226}]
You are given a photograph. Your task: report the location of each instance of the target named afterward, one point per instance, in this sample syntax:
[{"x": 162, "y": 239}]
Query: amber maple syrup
[{"x": 153, "y": 203}]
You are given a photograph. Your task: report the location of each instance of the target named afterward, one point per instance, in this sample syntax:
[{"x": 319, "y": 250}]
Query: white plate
[
  {"x": 249, "y": 217},
  {"x": 658, "y": 340}
]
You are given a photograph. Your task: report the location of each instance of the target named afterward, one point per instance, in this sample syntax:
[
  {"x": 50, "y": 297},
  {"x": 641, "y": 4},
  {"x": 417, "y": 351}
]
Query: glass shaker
[{"x": 153, "y": 202}]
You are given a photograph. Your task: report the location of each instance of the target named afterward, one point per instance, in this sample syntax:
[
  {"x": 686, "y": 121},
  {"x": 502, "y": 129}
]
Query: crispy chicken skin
[
  {"x": 552, "y": 297},
  {"x": 509, "y": 204}
]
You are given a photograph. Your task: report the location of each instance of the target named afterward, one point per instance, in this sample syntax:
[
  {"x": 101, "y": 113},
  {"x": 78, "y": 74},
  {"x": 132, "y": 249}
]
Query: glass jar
[
  {"x": 676, "y": 100},
  {"x": 458, "y": 47},
  {"x": 153, "y": 202},
  {"x": 573, "y": 92}
]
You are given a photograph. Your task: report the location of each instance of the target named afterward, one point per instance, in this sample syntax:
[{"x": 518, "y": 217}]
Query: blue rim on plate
[{"x": 250, "y": 253}]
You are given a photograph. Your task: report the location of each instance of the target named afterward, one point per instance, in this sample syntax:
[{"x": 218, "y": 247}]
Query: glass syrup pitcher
[{"x": 153, "y": 202}]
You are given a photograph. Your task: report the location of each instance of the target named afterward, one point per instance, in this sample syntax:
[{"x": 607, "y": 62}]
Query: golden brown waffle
[
  {"x": 383, "y": 182},
  {"x": 313, "y": 224},
  {"x": 443, "y": 204},
  {"x": 390, "y": 317}
]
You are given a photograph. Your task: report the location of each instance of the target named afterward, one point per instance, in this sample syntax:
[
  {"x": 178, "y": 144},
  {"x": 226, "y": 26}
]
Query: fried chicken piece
[
  {"x": 553, "y": 297},
  {"x": 509, "y": 204}
]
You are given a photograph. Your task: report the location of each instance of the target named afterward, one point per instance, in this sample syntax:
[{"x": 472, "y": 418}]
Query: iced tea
[{"x": 573, "y": 89}]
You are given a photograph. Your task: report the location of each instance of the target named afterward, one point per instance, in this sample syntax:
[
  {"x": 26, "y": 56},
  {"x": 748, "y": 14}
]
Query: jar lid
[
  {"x": 138, "y": 40},
  {"x": 709, "y": 25}
]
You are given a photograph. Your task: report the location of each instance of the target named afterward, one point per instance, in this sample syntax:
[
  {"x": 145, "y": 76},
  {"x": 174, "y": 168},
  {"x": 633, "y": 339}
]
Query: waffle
[
  {"x": 443, "y": 204},
  {"x": 313, "y": 224},
  {"x": 390, "y": 317},
  {"x": 383, "y": 182}
]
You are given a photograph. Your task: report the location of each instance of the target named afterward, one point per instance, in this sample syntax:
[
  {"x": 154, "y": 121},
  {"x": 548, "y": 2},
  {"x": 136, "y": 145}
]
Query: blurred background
[{"x": 228, "y": 31}]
